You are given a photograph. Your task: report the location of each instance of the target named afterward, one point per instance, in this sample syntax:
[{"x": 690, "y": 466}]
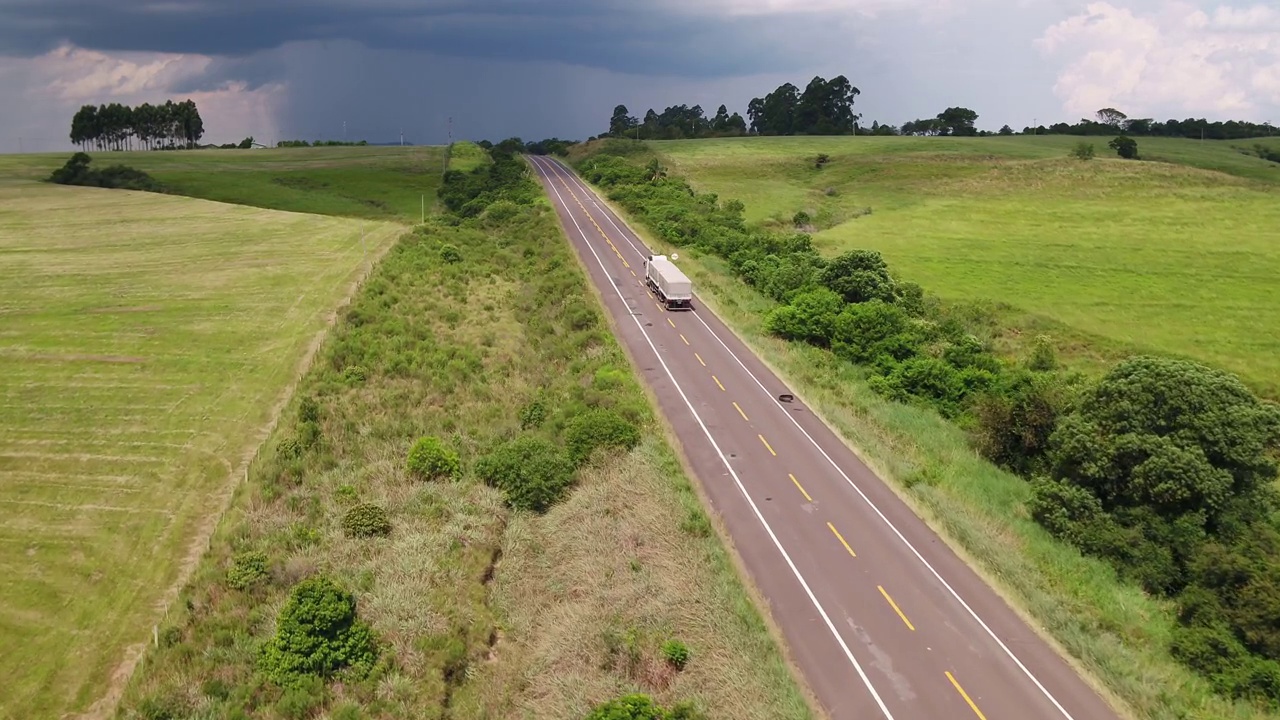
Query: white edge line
[
  {"x": 830, "y": 626},
  {"x": 783, "y": 410}
]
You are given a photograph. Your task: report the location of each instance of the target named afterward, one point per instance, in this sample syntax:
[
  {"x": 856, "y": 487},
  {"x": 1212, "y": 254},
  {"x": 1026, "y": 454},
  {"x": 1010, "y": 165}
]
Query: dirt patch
[
  {"x": 137, "y": 309},
  {"x": 78, "y": 357}
]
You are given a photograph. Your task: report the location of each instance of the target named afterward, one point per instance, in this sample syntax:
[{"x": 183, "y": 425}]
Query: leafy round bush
[
  {"x": 247, "y": 569},
  {"x": 637, "y": 706},
  {"x": 676, "y": 653},
  {"x": 530, "y": 471},
  {"x": 450, "y": 254},
  {"x": 317, "y": 634},
  {"x": 366, "y": 520},
  {"x": 429, "y": 459},
  {"x": 599, "y": 428}
]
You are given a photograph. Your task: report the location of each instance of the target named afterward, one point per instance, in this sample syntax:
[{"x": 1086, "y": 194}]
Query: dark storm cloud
[{"x": 629, "y": 37}]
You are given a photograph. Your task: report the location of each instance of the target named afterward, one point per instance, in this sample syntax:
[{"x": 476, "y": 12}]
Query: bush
[
  {"x": 801, "y": 219},
  {"x": 637, "y": 706},
  {"x": 1083, "y": 151},
  {"x": 810, "y": 317},
  {"x": 247, "y": 569},
  {"x": 366, "y": 520},
  {"x": 532, "y": 473},
  {"x": 1125, "y": 146},
  {"x": 676, "y": 653},
  {"x": 1016, "y": 419},
  {"x": 429, "y": 459},
  {"x": 450, "y": 254},
  {"x": 317, "y": 634},
  {"x": 859, "y": 276},
  {"x": 533, "y": 414},
  {"x": 599, "y": 428}
]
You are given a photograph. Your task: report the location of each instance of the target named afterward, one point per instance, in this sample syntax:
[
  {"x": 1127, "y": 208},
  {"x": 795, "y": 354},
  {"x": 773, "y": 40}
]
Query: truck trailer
[{"x": 668, "y": 283}]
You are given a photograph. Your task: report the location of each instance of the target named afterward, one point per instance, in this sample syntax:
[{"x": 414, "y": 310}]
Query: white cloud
[
  {"x": 49, "y": 89},
  {"x": 1176, "y": 61}
]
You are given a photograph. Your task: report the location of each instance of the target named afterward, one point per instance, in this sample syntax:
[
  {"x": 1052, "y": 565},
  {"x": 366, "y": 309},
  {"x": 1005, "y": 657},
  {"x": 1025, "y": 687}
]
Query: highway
[{"x": 882, "y": 619}]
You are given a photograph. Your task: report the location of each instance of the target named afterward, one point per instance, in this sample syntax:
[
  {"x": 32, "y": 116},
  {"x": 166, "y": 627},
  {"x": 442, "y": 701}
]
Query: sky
[{"x": 371, "y": 69}]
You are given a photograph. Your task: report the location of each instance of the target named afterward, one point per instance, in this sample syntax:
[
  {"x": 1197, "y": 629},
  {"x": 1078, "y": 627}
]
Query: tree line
[
  {"x": 825, "y": 107},
  {"x": 151, "y": 127}
]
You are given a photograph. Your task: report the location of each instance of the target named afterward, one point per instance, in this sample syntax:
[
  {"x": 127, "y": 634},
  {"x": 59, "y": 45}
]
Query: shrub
[
  {"x": 317, "y": 634},
  {"x": 676, "y": 653},
  {"x": 450, "y": 254},
  {"x": 1043, "y": 357},
  {"x": 859, "y": 276},
  {"x": 801, "y": 219},
  {"x": 533, "y": 414},
  {"x": 1083, "y": 151},
  {"x": 1016, "y": 419},
  {"x": 1125, "y": 146},
  {"x": 354, "y": 374},
  {"x": 810, "y": 317},
  {"x": 429, "y": 459},
  {"x": 366, "y": 520},
  {"x": 864, "y": 331},
  {"x": 637, "y": 706},
  {"x": 247, "y": 569},
  {"x": 532, "y": 473},
  {"x": 599, "y": 428}
]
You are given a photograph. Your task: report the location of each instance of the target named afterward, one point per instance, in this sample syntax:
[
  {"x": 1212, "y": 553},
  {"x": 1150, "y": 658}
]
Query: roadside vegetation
[
  {"x": 468, "y": 511},
  {"x": 917, "y": 384},
  {"x": 147, "y": 339}
]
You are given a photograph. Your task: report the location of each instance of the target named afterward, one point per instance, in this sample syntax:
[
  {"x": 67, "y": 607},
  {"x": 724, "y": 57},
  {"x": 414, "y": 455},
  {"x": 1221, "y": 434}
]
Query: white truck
[{"x": 668, "y": 283}]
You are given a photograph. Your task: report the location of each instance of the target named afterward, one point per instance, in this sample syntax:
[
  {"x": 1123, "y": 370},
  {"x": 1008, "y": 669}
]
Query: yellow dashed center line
[
  {"x": 895, "y": 608},
  {"x": 766, "y": 444},
  {"x": 744, "y": 415},
  {"x": 713, "y": 377},
  {"x": 802, "y": 492},
  {"x": 704, "y": 362},
  {"x": 841, "y": 539},
  {"x": 685, "y": 339},
  {"x": 965, "y": 695},
  {"x": 633, "y": 274},
  {"x": 673, "y": 323}
]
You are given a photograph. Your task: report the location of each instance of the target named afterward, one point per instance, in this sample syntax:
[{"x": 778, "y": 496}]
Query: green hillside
[{"x": 1175, "y": 253}]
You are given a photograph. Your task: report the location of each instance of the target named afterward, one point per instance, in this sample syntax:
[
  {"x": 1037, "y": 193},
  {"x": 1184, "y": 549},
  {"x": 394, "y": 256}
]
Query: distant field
[
  {"x": 144, "y": 340},
  {"x": 384, "y": 183},
  {"x": 1166, "y": 256}
]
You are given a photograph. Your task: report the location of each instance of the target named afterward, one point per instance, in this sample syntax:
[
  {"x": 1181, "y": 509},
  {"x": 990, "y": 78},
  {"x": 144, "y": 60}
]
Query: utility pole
[
  {"x": 344, "y": 131},
  {"x": 401, "y": 137}
]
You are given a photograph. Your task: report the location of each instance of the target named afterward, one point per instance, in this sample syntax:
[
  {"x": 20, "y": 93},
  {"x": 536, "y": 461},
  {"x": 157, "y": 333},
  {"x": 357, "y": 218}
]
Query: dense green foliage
[
  {"x": 642, "y": 707},
  {"x": 532, "y": 472},
  {"x": 430, "y": 459},
  {"x": 78, "y": 172},
  {"x": 366, "y": 520},
  {"x": 1164, "y": 468},
  {"x": 466, "y": 195},
  {"x": 318, "y": 634},
  {"x": 599, "y": 428}
]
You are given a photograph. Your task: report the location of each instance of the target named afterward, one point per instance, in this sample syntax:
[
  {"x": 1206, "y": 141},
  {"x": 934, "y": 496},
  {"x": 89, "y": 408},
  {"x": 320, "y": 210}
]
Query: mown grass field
[
  {"x": 482, "y": 612},
  {"x": 1108, "y": 256},
  {"x": 380, "y": 183},
  {"x": 144, "y": 340},
  {"x": 1113, "y": 631}
]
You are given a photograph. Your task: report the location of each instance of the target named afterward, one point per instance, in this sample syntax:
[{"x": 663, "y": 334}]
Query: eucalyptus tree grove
[{"x": 151, "y": 127}]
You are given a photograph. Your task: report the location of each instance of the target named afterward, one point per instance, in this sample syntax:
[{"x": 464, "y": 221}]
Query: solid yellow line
[
  {"x": 766, "y": 444},
  {"x": 713, "y": 377},
  {"x": 965, "y": 695},
  {"x": 895, "y": 608},
  {"x": 841, "y": 539},
  {"x": 802, "y": 492},
  {"x": 744, "y": 415},
  {"x": 704, "y": 362},
  {"x": 673, "y": 322}
]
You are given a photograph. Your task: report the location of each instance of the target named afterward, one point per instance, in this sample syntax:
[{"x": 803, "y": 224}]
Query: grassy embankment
[
  {"x": 480, "y": 611},
  {"x": 1108, "y": 257},
  {"x": 145, "y": 340},
  {"x": 1117, "y": 634}
]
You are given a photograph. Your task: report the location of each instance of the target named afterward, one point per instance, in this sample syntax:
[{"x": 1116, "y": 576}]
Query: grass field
[
  {"x": 144, "y": 340},
  {"x": 483, "y": 612},
  {"x": 1117, "y": 634},
  {"x": 1178, "y": 256},
  {"x": 381, "y": 183}
]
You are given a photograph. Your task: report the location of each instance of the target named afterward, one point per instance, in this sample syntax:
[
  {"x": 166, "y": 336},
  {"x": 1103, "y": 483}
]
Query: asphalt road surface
[{"x": 882, "y": 618}]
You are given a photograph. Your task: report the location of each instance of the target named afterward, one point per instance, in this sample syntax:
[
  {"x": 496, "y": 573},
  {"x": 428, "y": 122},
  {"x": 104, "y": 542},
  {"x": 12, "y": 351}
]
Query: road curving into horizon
[{"x": 881, "y": 617}]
